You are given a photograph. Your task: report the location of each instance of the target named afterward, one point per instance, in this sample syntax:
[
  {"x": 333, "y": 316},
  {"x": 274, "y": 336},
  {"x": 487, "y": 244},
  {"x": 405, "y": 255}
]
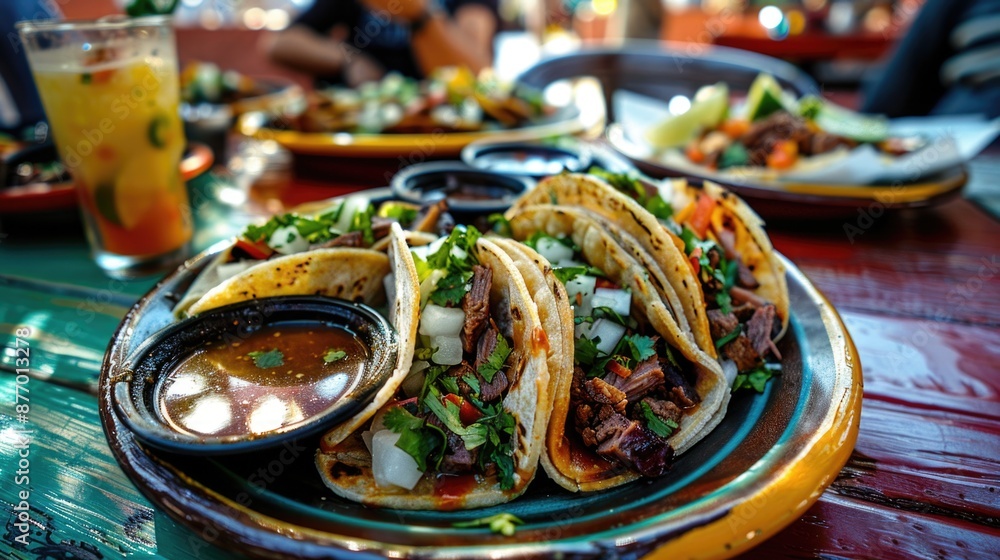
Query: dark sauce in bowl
[{"x": 222, "y": 390}]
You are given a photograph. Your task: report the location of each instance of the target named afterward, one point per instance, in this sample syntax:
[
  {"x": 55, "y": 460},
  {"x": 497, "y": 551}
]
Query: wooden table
[{"x": 919, "y": 291}]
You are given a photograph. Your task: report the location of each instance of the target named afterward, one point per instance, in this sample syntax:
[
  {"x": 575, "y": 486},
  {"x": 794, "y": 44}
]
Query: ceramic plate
[
  {"x": 51, "y": 197},
  {"x": 564, "y": 122},
  {"x": 808, "y": 200},
  {"x": 765, "y": 464}
]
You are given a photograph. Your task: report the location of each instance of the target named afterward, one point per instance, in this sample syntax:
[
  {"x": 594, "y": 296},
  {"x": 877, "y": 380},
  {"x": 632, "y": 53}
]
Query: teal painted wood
[
  {"x": 81, "y": 504},
  {"x": 70, "y": 327}
]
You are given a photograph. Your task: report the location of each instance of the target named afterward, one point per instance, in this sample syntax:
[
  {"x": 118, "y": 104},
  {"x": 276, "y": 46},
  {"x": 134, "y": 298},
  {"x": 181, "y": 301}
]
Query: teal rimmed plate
[{"x": 759, "y": 470}]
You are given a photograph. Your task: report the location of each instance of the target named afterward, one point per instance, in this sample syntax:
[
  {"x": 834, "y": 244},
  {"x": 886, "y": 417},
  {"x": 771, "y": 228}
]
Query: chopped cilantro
[
  {"x": 463, "y": 237},
  {"x": 269, "y": 359},
  {"x": 501, "y": 523},
  {"x": 641, "y": 347},
  {"x": 400, "y": 212},
  {"x": 566, "y": 273},
  {"x": 334, "y": 355},
  {"x": 754, "y": 379},
  {"x": 725, "y": 302},
  {"x": 362, "y": 222},
  {"x": 624, "y": 182},
  {"x": 423, "y": 353},
  {"x": 659, "y": 208},
  {"x": 659, "y": 426},
  {"x": 473, "y": 382},
  {"x": 603, "y": 312},
  {"x": 450, "y": 384},
  {"x": 448, "y": 413},
  {"x": 417, "y": 438},
  {"x": 450, "y": 289},
  {"x": 496, "y": 360},
  {"x": 501, "y": 225},
  {"x": 729, "y": 337}
]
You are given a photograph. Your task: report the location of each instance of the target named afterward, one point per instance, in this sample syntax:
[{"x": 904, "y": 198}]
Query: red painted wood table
[{"x": 918, "y": 290}]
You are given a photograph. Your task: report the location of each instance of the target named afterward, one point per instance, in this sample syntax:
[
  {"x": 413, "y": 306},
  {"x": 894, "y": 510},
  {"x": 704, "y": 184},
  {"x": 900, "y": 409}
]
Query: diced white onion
[
  {"x": 569, "y": 263},
  {"x": 618, "y": 301},
  {"x": 584, "y": 286},
  {"x": 730, "y": 370},
  {"x": 449, "y": 350},
  {"x": 352, "y": 205},
  {"x": 429, "y": 283},
  {"x": 367, "y": 437},
  {"x": 609, "y": 332},
  {"x": 582, "y": 330},
  {"x": 391, "y": 466},
  {"x": 553, "y": 250},
  {"x": 420, "y": 251},
  {"x": 441, "y": 321},
  {"x": 286, "y": 240}
]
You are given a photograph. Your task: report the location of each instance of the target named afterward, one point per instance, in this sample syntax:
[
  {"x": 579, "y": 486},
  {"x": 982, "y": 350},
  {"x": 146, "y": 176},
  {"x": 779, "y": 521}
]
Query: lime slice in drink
[
  {"x": 104, "y": 200},
  {"x": 708, "y": 109},
  {"x": 764, "y": 97},
  {"x": 135, "y": 189}
]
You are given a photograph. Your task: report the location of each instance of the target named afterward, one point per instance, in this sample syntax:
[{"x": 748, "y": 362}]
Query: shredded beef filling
[
  {"x": 476, "y": 305},
  {"x": 609, "y": 417}
]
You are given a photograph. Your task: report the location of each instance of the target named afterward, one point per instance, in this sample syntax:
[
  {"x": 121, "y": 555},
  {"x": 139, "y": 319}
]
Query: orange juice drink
[{"x": 111, "y": 94}]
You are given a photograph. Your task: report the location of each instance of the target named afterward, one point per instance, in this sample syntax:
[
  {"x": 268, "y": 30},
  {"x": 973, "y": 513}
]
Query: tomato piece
[
  {"x": 618, "y": 369},
  {"x": 695, "y": 260},
  {"x": 734, "y": 128},
  {"x": 702, "y": 216},
  {"x": 694, "y": 153},
  {"x": 783, "y": 155},
  {"x": 605, "y": 283},
  {"x": 257, "y": 251},
  {"x": 467, "y": 412}
]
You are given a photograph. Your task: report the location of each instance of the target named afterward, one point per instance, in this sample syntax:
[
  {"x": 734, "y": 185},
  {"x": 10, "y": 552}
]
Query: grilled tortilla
[
  {"x": 567, "y": 460},
  {"x": 346, "y": 465}
]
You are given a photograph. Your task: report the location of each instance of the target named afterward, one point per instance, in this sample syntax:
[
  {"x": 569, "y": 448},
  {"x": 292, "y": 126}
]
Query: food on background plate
[
  {"x": 771, "y": 130},
  {"x": 205, "y": 82},
  {"x": 639, "y": 390},
  {"x": 451, "y": 100},
  {"x": 467, "y": 426}
]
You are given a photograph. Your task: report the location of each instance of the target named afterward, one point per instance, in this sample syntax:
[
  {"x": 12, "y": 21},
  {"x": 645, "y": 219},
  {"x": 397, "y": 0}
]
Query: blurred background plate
[
  {"x": 758, "y": 471},
  {"x": 807, "y": 200},
  {"x": 566, "y": 121}
]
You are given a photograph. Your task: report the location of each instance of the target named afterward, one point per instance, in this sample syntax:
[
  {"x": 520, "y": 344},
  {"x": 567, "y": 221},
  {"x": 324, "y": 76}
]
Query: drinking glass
[{"x": 111, "y": 93}]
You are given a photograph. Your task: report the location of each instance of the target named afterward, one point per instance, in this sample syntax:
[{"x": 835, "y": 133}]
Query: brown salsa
[{"x": 278, "y": 376}]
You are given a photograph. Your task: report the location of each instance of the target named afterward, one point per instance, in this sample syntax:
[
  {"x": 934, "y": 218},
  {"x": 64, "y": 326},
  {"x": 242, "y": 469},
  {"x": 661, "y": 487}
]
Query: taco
[
  {"x": 733, "y": 285},
  {"x": 382, "y": 280},
  {"x": 467, "y": 426},
  {"x": 351, "y": 221},
  {"x": 635, "y": 390},
  {"x": 740, "y": 275}
]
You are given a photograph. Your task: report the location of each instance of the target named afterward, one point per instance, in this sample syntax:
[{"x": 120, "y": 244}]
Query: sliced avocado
[{"x": 764, "y": 98}]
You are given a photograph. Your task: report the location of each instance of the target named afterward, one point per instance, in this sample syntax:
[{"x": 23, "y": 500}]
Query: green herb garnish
[
  {"x": 269, "y": 359},
  {"x": 729, "y": 337},
  {"x": 501, "y": 523},
  {"x": 659, "y": 426},
  {"x": 497, "y": 359},
  {"x": 333, "y": 355}
]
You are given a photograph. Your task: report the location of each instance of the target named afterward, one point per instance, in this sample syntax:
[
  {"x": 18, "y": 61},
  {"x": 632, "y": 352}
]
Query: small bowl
[
  {"x": 542, "y": 158},
  {"x": 537, "y": 160},
  {"x": 469, "y": 191},
  {"x": 169, "y": 371}
]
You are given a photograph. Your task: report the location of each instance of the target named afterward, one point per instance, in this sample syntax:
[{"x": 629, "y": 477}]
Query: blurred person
[
  {"x": 20, "y": 106},
  {"x": 355, "y": 41},
  {"x": 948, "y": 63},
  {"x": 642, "y": 19}
]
